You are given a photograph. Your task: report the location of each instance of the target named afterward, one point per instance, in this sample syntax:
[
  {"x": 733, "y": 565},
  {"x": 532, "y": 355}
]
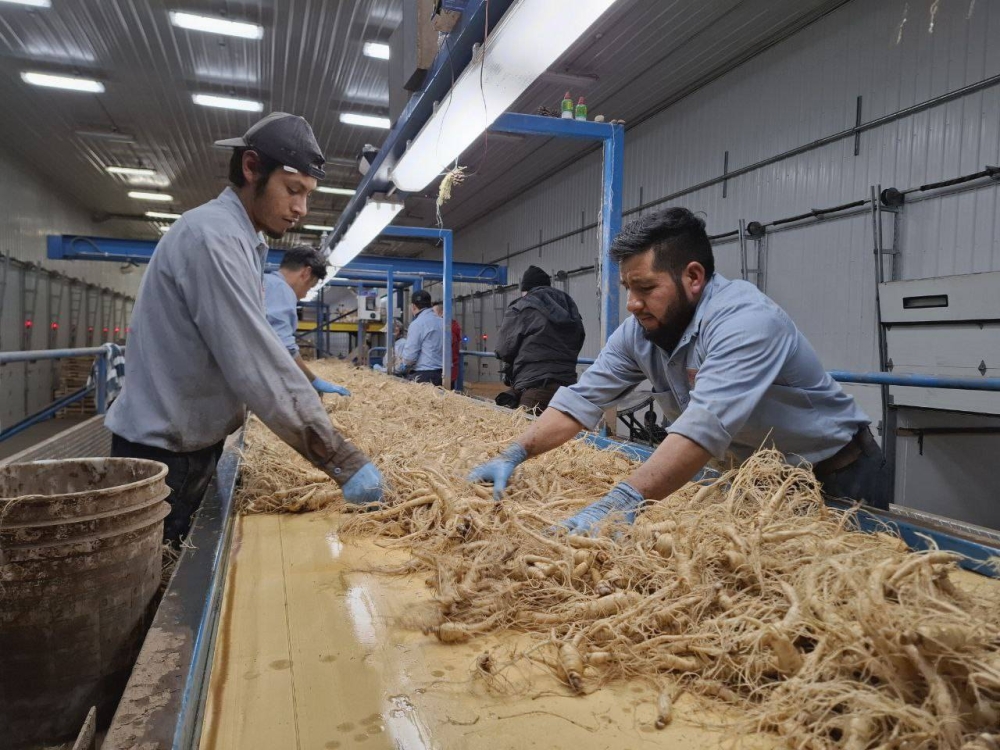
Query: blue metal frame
[
  {"x": 448, "y": 64},
  {"x": 612, "y": 138},
  {"x": 444, "y": 236},
  {"x": 417, "y": 268}
]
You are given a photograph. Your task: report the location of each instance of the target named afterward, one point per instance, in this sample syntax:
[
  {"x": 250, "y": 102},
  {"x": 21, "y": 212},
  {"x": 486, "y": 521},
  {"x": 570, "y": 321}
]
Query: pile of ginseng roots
[{"x": 746, "y": 590}]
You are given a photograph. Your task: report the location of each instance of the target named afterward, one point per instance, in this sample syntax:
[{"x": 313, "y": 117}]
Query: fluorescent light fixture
[
  {"x": 227, "y": 102},
  {"x": 142, "y": 196},
  {"x": 317, "y": 228},
  {"x": 63, "y": 82},
  {"x": 335, "y": 190},
  {"x": 30, "y": 3},
  {"x": 163, "y": 228},
  {"x": 366, "y": 121},
  {"x": 162, "y": 215},
  {"x": 529, "y": 39},
  {"x": 376, "y": 50},
  {"x": 214, "y": 25},
  {"x": 131, "y": 171},
  {"x": 369, "y": 223}
]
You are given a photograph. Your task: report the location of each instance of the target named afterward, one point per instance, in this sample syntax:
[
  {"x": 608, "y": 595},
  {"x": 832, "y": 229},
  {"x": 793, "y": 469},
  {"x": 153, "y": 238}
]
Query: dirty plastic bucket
[{"x": 80, "y": 556}]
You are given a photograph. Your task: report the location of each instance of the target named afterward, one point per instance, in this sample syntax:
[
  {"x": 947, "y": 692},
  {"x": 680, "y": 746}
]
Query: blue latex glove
[
  {"x": 623, "y": 500},
  {"x": 498, "y": 470},
  {"x": 324, "y": 387},
  {"x": 365, "y": 487}
]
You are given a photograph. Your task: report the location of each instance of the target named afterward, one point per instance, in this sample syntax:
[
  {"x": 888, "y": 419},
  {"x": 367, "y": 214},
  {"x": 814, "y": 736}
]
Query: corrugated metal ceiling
[{"x": 643, "y": 55}]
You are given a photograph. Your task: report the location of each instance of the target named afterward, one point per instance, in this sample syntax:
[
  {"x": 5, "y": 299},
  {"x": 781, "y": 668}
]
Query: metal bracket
[{"x": 982, "y": 367}]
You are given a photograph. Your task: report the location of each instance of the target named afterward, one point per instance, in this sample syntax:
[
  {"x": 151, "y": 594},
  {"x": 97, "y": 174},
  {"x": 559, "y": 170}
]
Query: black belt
[{"x": 863, "y": 442}]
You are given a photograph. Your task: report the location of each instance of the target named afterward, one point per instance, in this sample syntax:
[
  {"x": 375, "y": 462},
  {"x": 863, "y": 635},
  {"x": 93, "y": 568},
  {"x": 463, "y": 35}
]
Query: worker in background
[
  {"x": 398, "y": 343},
  {"x": 201, "y": 348},
  {"x": 302, "y": 267},
  {"x": 399, "y": 339},
  {"x": 729, "y": 368},
  {"x": 423, "y": 354},
  {"x": 456, "y": 340},
  {"x": 538, "y": 344}
]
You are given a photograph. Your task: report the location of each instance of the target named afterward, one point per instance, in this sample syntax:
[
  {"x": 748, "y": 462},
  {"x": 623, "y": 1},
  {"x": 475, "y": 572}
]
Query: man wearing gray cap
[{"x": 201, "y": 349}]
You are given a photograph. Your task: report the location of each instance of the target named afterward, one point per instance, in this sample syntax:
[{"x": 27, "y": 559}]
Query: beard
[
  {"x": 274, "y": 234},
  {"x": 673, "y": 323}
]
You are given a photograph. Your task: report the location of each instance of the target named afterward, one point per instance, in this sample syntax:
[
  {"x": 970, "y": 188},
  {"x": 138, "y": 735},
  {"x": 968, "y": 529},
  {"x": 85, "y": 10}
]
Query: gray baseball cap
[{"x": 287, "y": 139}]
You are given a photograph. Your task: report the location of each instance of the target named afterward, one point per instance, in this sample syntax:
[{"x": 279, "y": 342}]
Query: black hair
[
  {"x": 675, "y": 235},
  {"x": 421, "y": 299},
  {"x": 265, "y": 168},
  {"x": 300, "y": 256}
]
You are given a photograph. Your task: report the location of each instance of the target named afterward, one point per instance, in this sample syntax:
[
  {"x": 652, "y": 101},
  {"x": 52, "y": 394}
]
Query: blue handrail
[
  {"x": 34, "y": 355},
  {"x": 873, "y": 378}
]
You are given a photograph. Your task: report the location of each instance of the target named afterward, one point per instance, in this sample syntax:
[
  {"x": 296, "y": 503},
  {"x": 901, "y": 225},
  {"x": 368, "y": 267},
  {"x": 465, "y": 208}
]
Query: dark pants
[
  {"x": 865, "y": 479},
  {"x": 188, "y": 475},
  {"x": 534, "y": 399},
  {"x": 426, "y": 376}
]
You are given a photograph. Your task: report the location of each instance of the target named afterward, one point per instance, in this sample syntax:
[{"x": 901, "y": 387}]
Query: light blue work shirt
[
  {"x": 281, "y": 303},
  {"x": 741, "y": 376},
  {"x": 201, "y": 349},
  {"x": 398, "y": 347},
  {"x": 423, "y": 350}
]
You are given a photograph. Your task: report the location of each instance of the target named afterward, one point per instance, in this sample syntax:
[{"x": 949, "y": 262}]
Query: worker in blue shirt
[
  {"x": 302, "y": 267},
  {"x": 201, "y": 350},
  {"x": 728, "y": 367},
  {"x": 422, "y": 356}
]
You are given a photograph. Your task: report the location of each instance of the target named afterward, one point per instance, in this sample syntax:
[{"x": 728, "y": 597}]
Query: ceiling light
[
  {"x": 529, "y": 39},
  {"x": 30, "y": 3},
  {"x": 162, "y": 215},
  {"x": 369, "y": 223},
  {"x": 163, "y": 228},
  {"x": 227, "y": 102},
  {"x": 317, "y": 228},
  {"x": 131, "y": 171},
  {"x": 367, "y": 121},
  {"x": 63, "y": 82},
  {"x": 376, "y": 50},
  {"x": 142, "y": 196},
  {"x": 335, "y": 190},
  {"x": 216, "y": 25}
]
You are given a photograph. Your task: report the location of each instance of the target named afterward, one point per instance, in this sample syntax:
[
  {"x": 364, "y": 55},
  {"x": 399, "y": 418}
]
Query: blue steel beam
[
  {"x": 450, "y": 61},
  {"x": 556, "y": 127},
  {"x": 76, "y": 247},
  {"x": 481, "y": 273}
]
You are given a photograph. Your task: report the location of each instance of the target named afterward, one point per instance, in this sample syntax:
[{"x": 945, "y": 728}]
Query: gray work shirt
[
  {"x": 201, "y": 348},
  {"x": 424, "y": 350},
  {"x": 281, "y": 305},
  {"x": 741, "y": 376}
]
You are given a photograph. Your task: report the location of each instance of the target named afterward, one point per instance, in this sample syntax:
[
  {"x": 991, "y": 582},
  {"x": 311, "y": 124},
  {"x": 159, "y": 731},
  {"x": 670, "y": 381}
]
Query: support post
[
  {"x": 102, "y": 382},
  {"x": 611, "y": 224},
  {"x": 361, "y": 324},
  {"x": 446, "y": 311},
  {"x": 390, "y": 327}
]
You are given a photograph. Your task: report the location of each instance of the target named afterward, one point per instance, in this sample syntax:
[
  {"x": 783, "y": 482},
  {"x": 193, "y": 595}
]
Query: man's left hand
[
  {"x": 323, "y": 386},
  {"x": 623, "y": 501}
]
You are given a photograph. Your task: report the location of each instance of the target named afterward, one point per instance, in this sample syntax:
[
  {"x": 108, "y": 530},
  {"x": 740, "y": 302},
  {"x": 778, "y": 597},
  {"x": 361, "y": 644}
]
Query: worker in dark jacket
[{"x": 539, "y": 342}]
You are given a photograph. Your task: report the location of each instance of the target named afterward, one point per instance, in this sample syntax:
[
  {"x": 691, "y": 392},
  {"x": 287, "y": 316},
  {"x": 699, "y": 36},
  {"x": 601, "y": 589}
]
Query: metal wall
[
  {"x": 893, "y": 54},
  {"x": 32, "y": 210}
]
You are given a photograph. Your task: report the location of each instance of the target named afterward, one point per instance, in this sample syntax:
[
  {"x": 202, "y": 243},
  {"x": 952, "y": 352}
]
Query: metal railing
[{"x": 34, "y": 355}]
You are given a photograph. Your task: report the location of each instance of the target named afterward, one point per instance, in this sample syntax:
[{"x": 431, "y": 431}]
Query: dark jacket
[{"x": 540, "y": 339}]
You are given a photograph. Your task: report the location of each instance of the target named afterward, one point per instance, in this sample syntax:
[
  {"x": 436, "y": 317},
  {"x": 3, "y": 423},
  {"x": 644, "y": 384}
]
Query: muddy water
[{"x": 315, "y": 653}]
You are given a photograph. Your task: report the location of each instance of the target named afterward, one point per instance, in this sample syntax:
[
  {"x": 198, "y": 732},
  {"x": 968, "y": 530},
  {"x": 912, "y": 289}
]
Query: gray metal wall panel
[{"x": 32, "y": 210}]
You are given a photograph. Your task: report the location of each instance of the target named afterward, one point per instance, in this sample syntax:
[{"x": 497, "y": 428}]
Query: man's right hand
[
  {"x": 365, "y": 487},
  {"x": 499, "y": 470}
]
